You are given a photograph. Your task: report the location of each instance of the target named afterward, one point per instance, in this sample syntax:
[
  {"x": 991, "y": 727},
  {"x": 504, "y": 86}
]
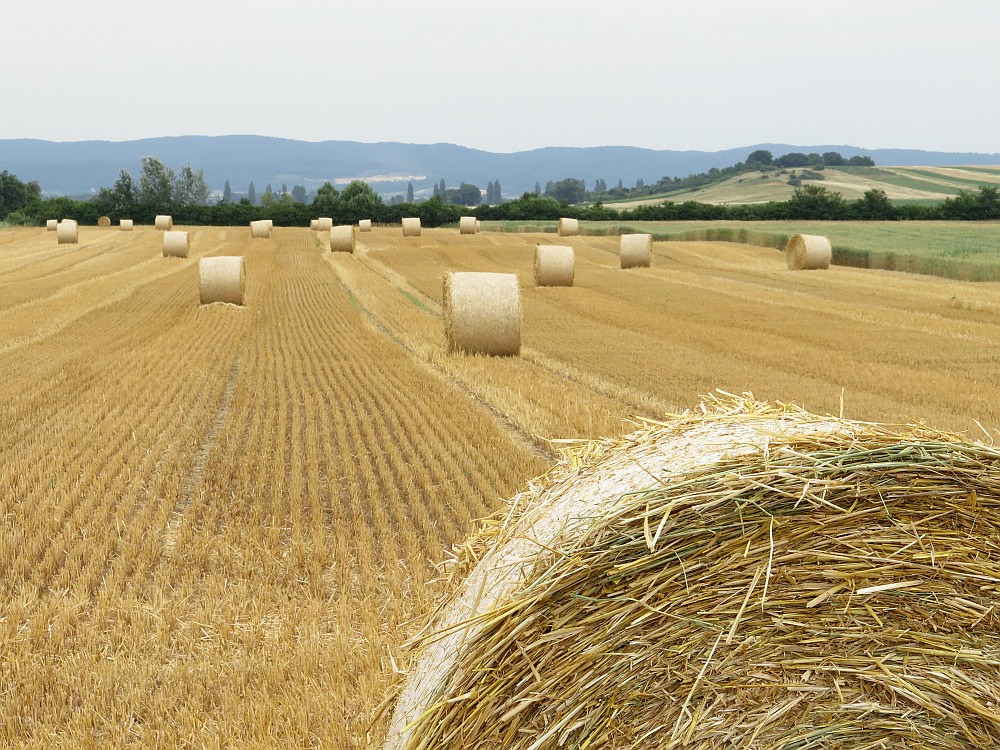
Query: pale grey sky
[{"x": 508, "y": 75}]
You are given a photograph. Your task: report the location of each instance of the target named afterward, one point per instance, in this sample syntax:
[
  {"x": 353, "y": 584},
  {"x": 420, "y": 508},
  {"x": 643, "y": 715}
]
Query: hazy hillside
[{"x": 80, "y": 167}]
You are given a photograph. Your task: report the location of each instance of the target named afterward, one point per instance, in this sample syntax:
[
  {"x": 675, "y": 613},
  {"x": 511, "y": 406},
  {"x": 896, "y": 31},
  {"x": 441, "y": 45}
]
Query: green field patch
[{"x": 958, "y": 181}]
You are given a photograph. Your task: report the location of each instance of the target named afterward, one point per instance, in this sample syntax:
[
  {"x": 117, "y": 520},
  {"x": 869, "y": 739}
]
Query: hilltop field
[{"x": 219, "y": 524}]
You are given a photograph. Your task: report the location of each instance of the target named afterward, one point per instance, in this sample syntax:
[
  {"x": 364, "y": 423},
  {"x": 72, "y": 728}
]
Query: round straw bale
[
  {"x": 342, "y": 239},
  {"x": 479, "y": 225},
  {"x": 175, "y": 244},
  {"x": 104, "y": 221},
  {"x": 808, "y": 252},
  {"x": 324, "y": 223},
  {"x": 482, "y": 313},
  {"x": 67, "y": 232},
  {"x": 260, "y": 230},
  {"x": 467, "y": 225},
  {"x": 314, "y": 223},
  {"x": 365, "y": 225},
  {"x": 569, "y": 227},
  {"x": 164, "y": 222},
  {"x": 270, "y": 224},
  {"x": 411, "y": 226},
  {"x": 51, "y": 225},
  {"x": 636, "y": 250},
  {"x": 554, "y": 265},
  {"x": 126, "y": 225},
  {"x": 221, "y": 279},
  {"x": 739, "y": 576}
]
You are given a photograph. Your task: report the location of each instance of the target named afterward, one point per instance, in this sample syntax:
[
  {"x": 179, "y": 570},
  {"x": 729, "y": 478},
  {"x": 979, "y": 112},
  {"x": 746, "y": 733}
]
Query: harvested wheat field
[{"x": 220, "y": 523}]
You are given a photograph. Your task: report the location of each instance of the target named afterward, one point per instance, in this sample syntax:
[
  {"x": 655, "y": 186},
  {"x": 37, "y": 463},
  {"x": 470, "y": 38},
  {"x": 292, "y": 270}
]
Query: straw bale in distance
[
  {"x": 746, "y": 576},
  {"x": 260, "y": 230},
  {"x": 569, "y": 227},
  {"x": 67, "y": 232},
  {"x": 104, "y": 221},
  {"x": 175, "y": 244},
  {"x": 411, "y": 226},
  {"x": 554, "y": 265},
  {"x": 636, "y": 250},
  {"x": 51, "y": 224},
  {"x": 808, "y": 252},
  {"x": 365, "y": 225},
  {"x": 467, "y": 225},
  {"x": 324, "y": 223},
  {"x": 314, "y": 223},
  {"x": 482, "y": 313},
  {"x": 221, "y": 279},
  {"x": 126, "y": 225},
  {"x": 342, "y": 239},
  {"x": 164, "y": 222}
]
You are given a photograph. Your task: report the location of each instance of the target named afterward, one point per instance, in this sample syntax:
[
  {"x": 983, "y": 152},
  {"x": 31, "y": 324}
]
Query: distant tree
[
  {"x": 327, "y": 200},
  {"x": 549, "y": 186},
  {"x": 833, "y": 159},
  {"x": 874, "y": 205},
  {"x": 538, "y": 189},
  {"x": 299, "y": 194},
  {"x": 436, "y": 193},
  {"x": 398, "y": 200},
  {"x": 284, "y": 189},
  {"x": 464, "y": 195},
  {"x": 409, "y": 192},
  {"x": 861, "y": 161},
  {"x": 489, "y": 193},
  {"x": 441, "y": 187},
  {"x": 121, "y": 198},
  {"x": 793, "y": 159},
  {"x": 600, "y": 186},
  {"x": 497, "y": 192},
  {"x": 815, "y": 202},
  {"x": 640, "y": 184},
  {"x": 190, "y": 188},
  {"x": 227, "y": 193},
  {"x": 760, "y": 158},
  {"x": 15, "y": 194},
  {"x": 570, "y": 190},
  {"x": 252, "y": 194},
  {"x": 359, "y": 201},
  {"x": 621, "y": 186},
  {"x": 268, "y": 194},
  {"x": 156, "y": 183}
]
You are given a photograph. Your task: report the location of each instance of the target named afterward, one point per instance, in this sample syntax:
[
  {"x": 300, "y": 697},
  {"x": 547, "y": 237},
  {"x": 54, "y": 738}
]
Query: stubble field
[{"x": 219, "y": 524}]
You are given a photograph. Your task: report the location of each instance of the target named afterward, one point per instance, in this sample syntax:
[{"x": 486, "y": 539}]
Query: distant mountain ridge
[{"x": 81, "y": 167}]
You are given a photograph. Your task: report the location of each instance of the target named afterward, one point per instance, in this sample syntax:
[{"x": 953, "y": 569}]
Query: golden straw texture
[
  {"x": 221, "y": 279},
  {"x": 104, "y": 222},
  {"x": 175, "y": 244},
  {"x": 742, "y": 576},
  {"x": 482, "y": 313},
  {"x": 569, "y": 227},
  {"x": 467, "y": 225},
  {"x": 51, "y": 225},
  {"x": 411, "y": 226},
  {"x": 342, "y": 239},
  {"x": 324, "y": 223},
  {"x": 260, "y": 229},
  {"x": 808, "y": 252},
  {"x": 164, "y": 222},
  {"x": 67, "y": 232},
  {"x": 126, "y": 225},
  {"x": 636, "y": 250},
  {"x": 314, "y": 223},
  {"x": 365, "y": 225},
  {"x": 554, "y": 265}
]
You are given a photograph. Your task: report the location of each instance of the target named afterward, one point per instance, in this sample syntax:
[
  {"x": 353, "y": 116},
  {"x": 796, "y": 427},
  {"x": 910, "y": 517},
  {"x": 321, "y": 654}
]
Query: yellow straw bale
[
  {"x": 324, "y": 223},
  {"x": 164, "y": 222},
  {"x": 260, "y": 230},
  {"x": 51, "y": 225},
  {"x": 126, "y": 225},
  {"x": 104, "y": 222},
  {"x": 636, "y": 250},
  {"x": 554, "y": 265},
  {"x": 342, "y": 239},
  {"x": 221, "y": 279},
  {"x": 365, "y": 225},
  {"x": 482, "y": 313},
  {"x": 467, "y": 225},
  {"x": 411, "y": 226},
  {"x": 67, "y": 232},
  {"x": 314, "y": 223},
  {"x": 175, "y": 244},
  {"x": 808, "y": 252},
  {"x": 569, "y": 227}
]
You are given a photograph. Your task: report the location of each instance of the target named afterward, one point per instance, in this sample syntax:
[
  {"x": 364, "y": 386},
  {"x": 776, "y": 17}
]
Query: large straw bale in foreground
[
  {"x": 126, "y": 225},
  {"x": 342, "y": 239},
  {"x": 324, "y": 223},
  {"x": 221, "y": 279},
  {"x": 67, "y": 232},
  {"x": 365, "y": 225},
  {"x": 554, "y": 265},
  {"x": 482, "y": 313},
  {"x": 175, "y": 244},
  {"x": 569, "y": 227},
  {"x": 808, "y": 252},
  {"x": 636, "y": 250},
  {"x": 411, "y": 226},
  {"x": 51, "y": 225},
  {"x": 743, "y": 576},
  {"x": 164, "y": 222},
  {"x": 104, "y": 222},
  {"x": 468, "y": 225},
  {"x": 260, "y": 229}
]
